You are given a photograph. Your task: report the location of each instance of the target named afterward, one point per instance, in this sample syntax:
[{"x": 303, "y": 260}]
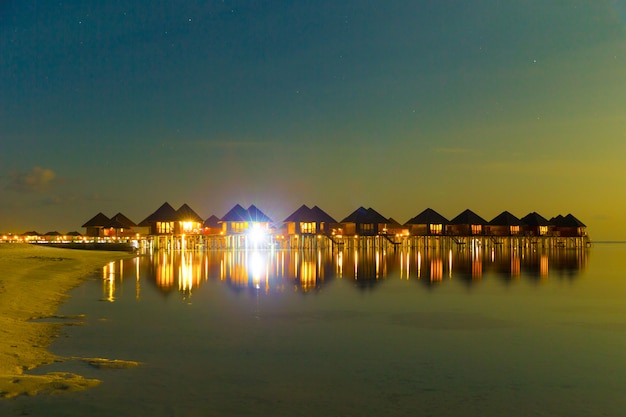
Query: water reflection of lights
[
  {"x": 109, "y": 275},
  {"x": 185, "y": 273},
  {"x": 108, "y": 281},
  {"x": 137, "y": 282},
  {"x": 419, "y": 265},
  {"x": 377, "y": 264},
  {"x": 340, "y": 264},
  {"x": 308, "y": 275},
  {"x": 257, "y": 266},
  {"x": 543, "y": 266},
  {"x": 306, "y": 270},
  {"x": 436, "y": 269}
]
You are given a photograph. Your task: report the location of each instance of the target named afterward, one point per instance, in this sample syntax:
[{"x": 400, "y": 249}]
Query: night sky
[{"x": 119, "y": 106}]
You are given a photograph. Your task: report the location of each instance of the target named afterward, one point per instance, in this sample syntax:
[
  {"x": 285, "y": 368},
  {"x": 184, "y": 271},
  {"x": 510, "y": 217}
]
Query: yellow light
[{"x": 187, "y": 226}]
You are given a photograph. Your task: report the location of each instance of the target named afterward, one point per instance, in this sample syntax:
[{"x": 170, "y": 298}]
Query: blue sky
[{"x": 398, "y": 105}]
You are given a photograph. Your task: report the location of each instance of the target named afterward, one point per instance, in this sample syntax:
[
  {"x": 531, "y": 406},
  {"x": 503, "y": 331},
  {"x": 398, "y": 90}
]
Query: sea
[{"x": 431, "y": 331}]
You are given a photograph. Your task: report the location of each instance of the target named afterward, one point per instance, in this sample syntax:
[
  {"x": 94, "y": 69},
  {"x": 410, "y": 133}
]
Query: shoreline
[{"x": 34, "y": 281}]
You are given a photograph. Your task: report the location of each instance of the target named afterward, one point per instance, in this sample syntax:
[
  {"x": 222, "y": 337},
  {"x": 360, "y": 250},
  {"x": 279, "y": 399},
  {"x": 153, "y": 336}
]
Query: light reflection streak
[
  {"x": 108, "y": 281},
  {"x": 272, "y": 271},
  {"x": 137, "y": 281},
  {"x": 419, "y": 265},
  {"x": 340, "y": 264}
]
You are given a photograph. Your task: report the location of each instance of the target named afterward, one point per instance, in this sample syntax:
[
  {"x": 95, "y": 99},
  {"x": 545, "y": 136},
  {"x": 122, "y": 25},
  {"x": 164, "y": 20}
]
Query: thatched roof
[
  {"x": 73, "y": 233},
  {"x": 212, "y": 221},
  {"x": 236, "y": 214},
  {"x": 239, "y": 214},
  {"x": 185, "y": 213},
  {"x": 535, "y": 219},
  {"x": 428, "y": 216},
  {"x": 505, "y": 219},
  {"x": 468, "y": 217},
  {"x": 116, "y": 224},
  {"x": 54, "y": 233},
  {"x": 573, "y": 221},
  {"x": 306, "y": 214},
  {"x": 119, "y": 221},
  {"x": 321, "y": 216},
  {"x": 99, "y": 220},
  {"x": 567, "y": 221},
  {"x": 365, "y": 216},
  {"x": 256, "y": 215},
  {"x": 393, "y": 222},
  {"x": 302, "y": 214},
  {"x": 165, "y": 213}
]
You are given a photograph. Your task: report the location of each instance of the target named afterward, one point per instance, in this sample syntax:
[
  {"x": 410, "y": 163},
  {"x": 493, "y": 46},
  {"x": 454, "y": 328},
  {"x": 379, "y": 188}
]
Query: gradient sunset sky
[{"x": 119, "y": 106}]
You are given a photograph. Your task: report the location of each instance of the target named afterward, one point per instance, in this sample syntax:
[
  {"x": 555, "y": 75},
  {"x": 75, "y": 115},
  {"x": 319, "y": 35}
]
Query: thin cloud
[{"x": 36, "y": 180}]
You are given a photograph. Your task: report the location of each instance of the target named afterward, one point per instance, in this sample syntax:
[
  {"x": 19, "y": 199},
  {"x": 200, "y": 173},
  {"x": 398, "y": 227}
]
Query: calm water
[{"x": 442, "y": 333}]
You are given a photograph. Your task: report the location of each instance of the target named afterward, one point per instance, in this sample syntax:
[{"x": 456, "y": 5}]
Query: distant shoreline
[{"x": 34, "y": 282}]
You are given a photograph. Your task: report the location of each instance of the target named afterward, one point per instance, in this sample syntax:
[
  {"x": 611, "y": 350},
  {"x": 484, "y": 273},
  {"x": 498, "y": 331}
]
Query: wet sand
[{"x": 34, "y": 280}]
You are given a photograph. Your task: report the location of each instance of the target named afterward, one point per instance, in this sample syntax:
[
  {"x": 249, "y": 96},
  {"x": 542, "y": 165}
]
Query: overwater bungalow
[
  {"x": 31, "y": 236},
  {"x": 467, "y": 223},
  {"x": 427, "y": 223},
  {"x": 568, "y": 226},
  {"x": 188, "y": 220},
  {"x": 504, "y": 224},
  {"x": 534, "y": 224},
  {"x": 364, "y": 222},
  {"x": 394, "y": 228},
  {"x": 53, "y": 236},
  {"x": 212, "y": 226},
  {"x": 162, "y": 221},
  {"x": 238, "y": 220},
  {"x": 95, "y": 226},
  {"x": 309, "y": 221},
  {"x": 119, "y": 226},
  {"x": 167, "y": 221},
  {"x": 74, "y": 236}
]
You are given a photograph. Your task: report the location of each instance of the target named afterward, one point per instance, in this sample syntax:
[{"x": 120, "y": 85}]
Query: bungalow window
[
  {"x": 187, "y": 226},
  {"x": 436, "y": 229},
  {"x": 514, "y": 230},
  {"x": 239, "y": 227},
  {"x": 543, "y": 230},
  {"x": 307, "y": 227},
  {"x": 477, "y": 229},
  {"x": 367, "y": 228},
  {"x": 165, "y": 227}
]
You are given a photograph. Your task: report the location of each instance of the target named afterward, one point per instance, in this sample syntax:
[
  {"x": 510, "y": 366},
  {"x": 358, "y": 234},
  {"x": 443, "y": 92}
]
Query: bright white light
[
  {"x": 257, "y": 234},
  {"x": 256, "y": 266}
]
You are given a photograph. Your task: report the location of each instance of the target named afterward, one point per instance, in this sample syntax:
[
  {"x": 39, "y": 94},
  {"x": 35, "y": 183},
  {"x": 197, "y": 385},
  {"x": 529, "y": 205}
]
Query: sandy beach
[{"x": 34, "y": 280}]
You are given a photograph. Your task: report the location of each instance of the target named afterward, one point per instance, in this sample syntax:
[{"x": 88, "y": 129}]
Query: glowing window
[
  {"x": 239, "y": 227},
  {"x": 436, "y": 229},
  {"x": 367, "y": 227},
  {"x": 543, "y": 230},
  {"x": 477, "y": 229},
  {"x": 307, "y": 227},
  {"x": 514, "y": 230},
  {"x": 165, "y": 227},
  {"x": 187, "y": 226}
]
